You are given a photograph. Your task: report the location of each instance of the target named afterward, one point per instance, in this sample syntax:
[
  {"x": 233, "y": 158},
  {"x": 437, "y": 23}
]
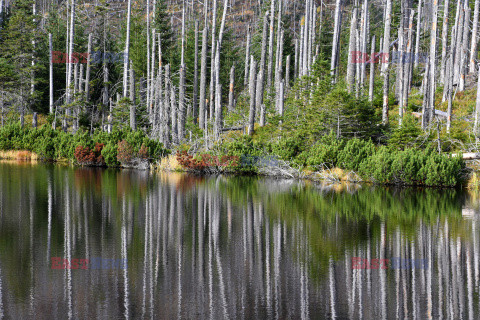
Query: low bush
[
  {"x": 412, "y": 167},
  {"x": 81, "y": 147},
  {"x": 207, "y": 163},
  {"x": 87, "y": 157}
]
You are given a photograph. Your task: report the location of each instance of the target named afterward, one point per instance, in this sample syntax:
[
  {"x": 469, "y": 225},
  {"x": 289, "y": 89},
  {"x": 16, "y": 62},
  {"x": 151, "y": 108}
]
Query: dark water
[{"x": 224, "y": 247}]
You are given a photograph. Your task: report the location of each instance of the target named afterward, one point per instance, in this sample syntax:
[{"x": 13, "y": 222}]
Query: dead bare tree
[
  {"x": 385, "y": 59},
  {"x": 253, "y": 81}
]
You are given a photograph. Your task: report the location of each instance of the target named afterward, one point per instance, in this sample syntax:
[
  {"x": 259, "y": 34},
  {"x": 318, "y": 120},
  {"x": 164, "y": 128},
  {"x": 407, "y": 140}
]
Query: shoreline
[{"x": 170, "y": 163}]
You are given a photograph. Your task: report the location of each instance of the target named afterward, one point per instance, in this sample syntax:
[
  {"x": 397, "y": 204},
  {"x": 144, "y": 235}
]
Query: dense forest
[{"x": 380, "y": 87}]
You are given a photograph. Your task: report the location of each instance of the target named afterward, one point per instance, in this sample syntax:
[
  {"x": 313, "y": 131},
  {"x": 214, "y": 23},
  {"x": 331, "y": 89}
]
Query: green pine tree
[{"x": 18, "y": 49}]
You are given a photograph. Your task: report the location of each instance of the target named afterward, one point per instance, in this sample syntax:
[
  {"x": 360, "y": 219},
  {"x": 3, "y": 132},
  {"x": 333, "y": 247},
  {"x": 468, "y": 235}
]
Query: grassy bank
[
  {"x": 121, "y": 148},
  {"x": 328, "y": 158}
]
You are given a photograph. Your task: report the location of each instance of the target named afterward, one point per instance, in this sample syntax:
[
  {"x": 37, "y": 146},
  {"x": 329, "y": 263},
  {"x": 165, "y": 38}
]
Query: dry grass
[
  {"x": 334, "y": 175},
  {"x": 19, "y": 155},
  {"x": 169, "y": 163},
  {"x": 474, "y": 181}
]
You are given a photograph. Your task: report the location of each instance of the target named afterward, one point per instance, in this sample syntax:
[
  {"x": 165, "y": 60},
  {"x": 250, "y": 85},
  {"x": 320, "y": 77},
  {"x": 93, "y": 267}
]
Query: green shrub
[
  {"x": 324, "y": 152},
  {"x": 412, "y": 167},
  {"x": 354, "y": 152},
  {"x": 109, "y": 153}
]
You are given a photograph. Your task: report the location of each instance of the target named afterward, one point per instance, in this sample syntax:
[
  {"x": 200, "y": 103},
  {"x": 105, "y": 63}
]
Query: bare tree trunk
[
  {"x": 173, "y": 109},
  {"x": 372, "y": 71},
  {"x": 263, "y": 55},
  {"x": 386, "y": 58},
  {"x": 167, "y": 112},
  {"x": 247, "y": 58},
  {"x": 218, "y": 97},
  {"x": 70, "y": 50},
  {"x": 408, "y": 65},
  {"x": 260, "y": 107},
  {"x": 181, "y": 92},
  {"x": 231, "y": 96},
  {"x": 50, "y": 48},
  {"x": 417, "y": 35},
  {"x": 133, "y": 123},
  {"x": 351, "y": 54},
  {"x": 152, "y": 78},
  {"x": 473, "y": 47},
  {"x": 148, "y": 56},
  {"x": 295, "y": 76},
  {"x": 357, "y": 65},
  {"x": 80, "y": 80},
  {"x": 87, "y": 75},
  {"x": 279, "y": 67},
  {"x": 212, "y": 73},
  {"x": 253, "y": 81},
  {"x": 449, "y": 91},
  {"x": 464, "y": 58},
  {"x": 458, "y": 44},
  {"x": 306, "y": 38},
  {"x": 203, "y": 78},
  {"x": 287, "y": 74},
  {"x": 281, "y": 99},
  {"x": 444, "y": 41},
  {"x": 363, "y": 42},
  {"x": 300, "y": 58},
  {"x": 126, "y": 57},
  {"x": 400, "y": 71},
  {"x": 75, "y": 79},
  {"x": 477, "y": 110},
  {"x": 430, "y": 109},
  {"x": 218, "y": 111},
  {"x": 336, "y": 38},
  {"x": 270, "y": 45},
  {"x": 312, "y": 36},
  {"x": 195, "y": 76},
  {"x": 32, "y": 73},
  {"x": 278, "y": 60}
]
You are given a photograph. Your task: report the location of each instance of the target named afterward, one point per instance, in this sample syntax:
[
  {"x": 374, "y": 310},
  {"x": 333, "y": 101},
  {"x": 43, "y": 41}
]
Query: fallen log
[
  {"x": 232, "y": 129},
  {"x": 467, "y": 156}
]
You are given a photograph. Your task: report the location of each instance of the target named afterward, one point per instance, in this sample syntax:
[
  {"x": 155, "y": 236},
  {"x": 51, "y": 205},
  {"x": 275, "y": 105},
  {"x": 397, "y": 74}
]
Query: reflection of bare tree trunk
[
  {"x": 50, "y": 207},
  {"x": 475, "y": 252},
  {"x": 469, "y": 282},
  {"x": 383, "y": 273},
  {"x": 124, "y": 258},
  {"x": 333, "y": 295},
  {"x": 68, "y": 252},
  {"x": 460, "y": 279},
  {"x": 200, "y": 265},
  {"x": 179, "y": 245}
]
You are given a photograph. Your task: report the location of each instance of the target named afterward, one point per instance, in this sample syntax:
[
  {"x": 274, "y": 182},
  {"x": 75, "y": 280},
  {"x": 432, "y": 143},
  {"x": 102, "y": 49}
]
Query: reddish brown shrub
[
  {"x": 206, "y": 162},
  {"x": 143, "y": 152},
  {"x": 125, "y": 153},
  {"x": 86, "y": 157}
]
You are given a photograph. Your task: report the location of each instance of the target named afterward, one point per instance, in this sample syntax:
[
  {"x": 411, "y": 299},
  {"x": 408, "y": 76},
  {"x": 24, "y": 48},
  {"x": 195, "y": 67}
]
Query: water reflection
[{"x": 223, "y": 247}]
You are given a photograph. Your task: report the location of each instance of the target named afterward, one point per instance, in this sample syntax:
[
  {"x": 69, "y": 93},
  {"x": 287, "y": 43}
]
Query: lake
[{"x": 79, "y": 243}]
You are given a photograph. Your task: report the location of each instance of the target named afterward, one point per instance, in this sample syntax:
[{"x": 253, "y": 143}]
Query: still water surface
[{"x": 230, "y": 247}]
